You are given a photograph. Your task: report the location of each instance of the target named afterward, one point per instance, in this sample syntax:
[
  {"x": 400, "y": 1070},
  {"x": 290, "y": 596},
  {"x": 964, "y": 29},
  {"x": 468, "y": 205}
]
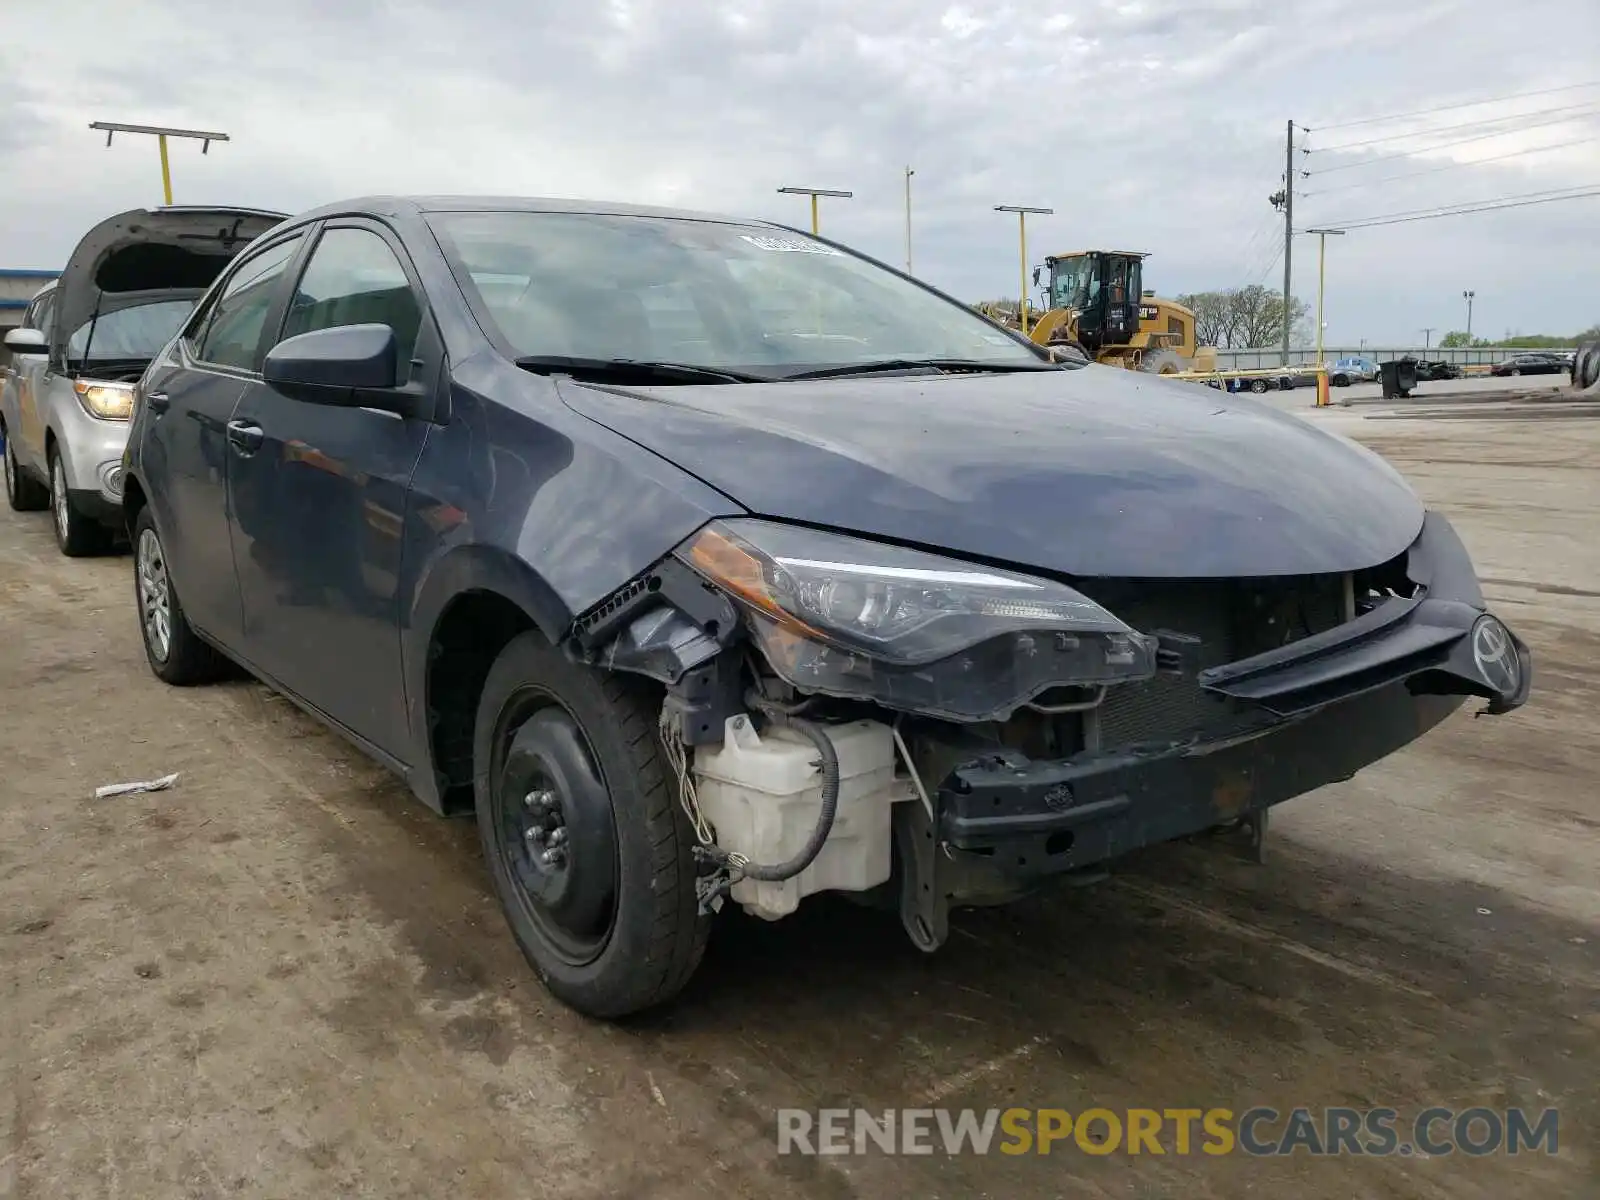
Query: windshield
[
  {"x": 139, "y": 332},
  {"x": 1070, "y": 281},
  {"x": 710, "y": 294}
]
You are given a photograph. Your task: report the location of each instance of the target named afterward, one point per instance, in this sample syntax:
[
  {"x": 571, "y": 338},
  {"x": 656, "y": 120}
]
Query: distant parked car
[
  {"x": 1530, "y": 364},
  {"x": 84, "y": 341},
  {"x": 1355, "y": 369}
]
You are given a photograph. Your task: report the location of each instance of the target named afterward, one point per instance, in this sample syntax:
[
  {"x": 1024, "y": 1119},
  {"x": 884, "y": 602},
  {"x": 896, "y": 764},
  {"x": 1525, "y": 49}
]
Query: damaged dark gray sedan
[{"x": 703, "y": 560}]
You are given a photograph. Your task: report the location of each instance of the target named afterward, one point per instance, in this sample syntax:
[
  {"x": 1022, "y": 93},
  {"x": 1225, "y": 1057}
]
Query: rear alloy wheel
[
  {"x": 77, "y": 535},
  {"x": 22, "y": 493},
  {"x": 1258, "y": 386},
  {"x": 581, "y": 827},
  {"x": 1514, "y": 371},
  {"x": 175, "y": 651}
]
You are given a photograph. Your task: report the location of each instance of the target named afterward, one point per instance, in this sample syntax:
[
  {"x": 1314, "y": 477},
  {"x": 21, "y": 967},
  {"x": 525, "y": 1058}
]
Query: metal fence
[{"x": 1272, "y": 357}]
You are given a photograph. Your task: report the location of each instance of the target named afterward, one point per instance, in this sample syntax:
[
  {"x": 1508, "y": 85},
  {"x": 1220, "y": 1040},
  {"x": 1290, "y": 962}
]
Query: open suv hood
[
  {"x": 125, "y": 258},
  {"x": 1091, "y": 472}
]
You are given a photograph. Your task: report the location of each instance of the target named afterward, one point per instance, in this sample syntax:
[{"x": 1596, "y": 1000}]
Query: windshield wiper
[
  {"x": 912, "y": 364},
  {"x": 632, "y": 368}
]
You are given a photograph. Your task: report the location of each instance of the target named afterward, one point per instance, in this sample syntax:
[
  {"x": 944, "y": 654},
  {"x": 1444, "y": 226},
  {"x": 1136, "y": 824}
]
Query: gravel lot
[{"x": 284, "y": 978}]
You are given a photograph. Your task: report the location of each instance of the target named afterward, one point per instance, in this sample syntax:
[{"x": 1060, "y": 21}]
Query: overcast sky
[{"x": 1153, "y": 125}]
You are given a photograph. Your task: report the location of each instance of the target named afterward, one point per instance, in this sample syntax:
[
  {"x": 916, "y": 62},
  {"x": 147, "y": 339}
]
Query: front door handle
[
  {"x": 159, "y": 402},
  {"x": 244, "y": 437}
]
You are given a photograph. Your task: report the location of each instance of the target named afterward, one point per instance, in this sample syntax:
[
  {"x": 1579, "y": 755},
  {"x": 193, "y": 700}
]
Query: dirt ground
[{"x": 284, "y": 978}]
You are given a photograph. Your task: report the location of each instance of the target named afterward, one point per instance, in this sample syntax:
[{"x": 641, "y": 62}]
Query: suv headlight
[
  {"x": 107, "y": 401},
  {"x": 915, "y": 631}
]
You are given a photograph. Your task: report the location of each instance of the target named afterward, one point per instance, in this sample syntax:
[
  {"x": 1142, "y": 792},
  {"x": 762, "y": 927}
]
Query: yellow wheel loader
[{"x": 1095, "y": 303}]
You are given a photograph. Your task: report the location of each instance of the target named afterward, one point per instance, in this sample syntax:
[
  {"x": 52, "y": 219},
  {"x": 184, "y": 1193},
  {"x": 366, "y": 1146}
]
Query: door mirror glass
[{"x": 25, "y": 341}]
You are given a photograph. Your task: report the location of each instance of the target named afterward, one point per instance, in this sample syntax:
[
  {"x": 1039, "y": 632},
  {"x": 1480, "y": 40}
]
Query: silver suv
[{"x": 83, "y": 344}]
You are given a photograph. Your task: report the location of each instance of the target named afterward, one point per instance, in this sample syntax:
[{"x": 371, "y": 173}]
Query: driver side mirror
[
  {"x": 355, "y": 366},
  {"x": 1036, "y": 272},
  {"x": 26, "y": 341}
]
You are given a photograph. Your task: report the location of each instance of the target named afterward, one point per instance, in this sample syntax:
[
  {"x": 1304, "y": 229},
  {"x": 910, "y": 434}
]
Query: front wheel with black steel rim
[
  {"x": 77, "y": 535},
  {"x": 590, "y": 851},
  {"x": 176, "y": 653},
  {"x": 22, "y": 493}
]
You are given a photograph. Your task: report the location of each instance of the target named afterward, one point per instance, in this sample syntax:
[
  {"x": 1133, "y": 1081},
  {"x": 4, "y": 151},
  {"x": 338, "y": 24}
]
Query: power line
[
  {"x": 1477, "y": 162},
  {"x": 1428, "y": 112},
  {"x": 1367, "y": 162},
  {"x": 1478, "y": 124},
  {"x": 1581, "y": 192}
]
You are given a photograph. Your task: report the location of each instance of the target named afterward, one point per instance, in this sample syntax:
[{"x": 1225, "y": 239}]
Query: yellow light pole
[
  {"x": 1022, "y": 211},
  {"x": 161, "y": 134},
  {"x": 814, "y": 193},
  {"x": 1322, "y": 277}
]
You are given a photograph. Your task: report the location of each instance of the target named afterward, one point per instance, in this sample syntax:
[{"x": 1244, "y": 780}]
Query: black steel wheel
[{"x": 581, "y": 827}]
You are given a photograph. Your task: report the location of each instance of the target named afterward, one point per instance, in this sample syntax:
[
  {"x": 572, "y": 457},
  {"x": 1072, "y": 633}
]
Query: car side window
[
  {"x": 232, "y": 333},
  {"x": 41, "y": 315},
  {"x": 354, "y": 278}
]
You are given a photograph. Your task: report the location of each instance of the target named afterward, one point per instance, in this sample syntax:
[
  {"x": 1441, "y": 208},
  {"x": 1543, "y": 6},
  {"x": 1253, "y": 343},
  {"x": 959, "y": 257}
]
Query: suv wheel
[
  {"x": 1258, "y": 386},
  {"x": 589, "y": 849},
  {"x": 22, "y": 493},
  {"x": 175, "y": 651},
  {"x": 76, "y": 534}
]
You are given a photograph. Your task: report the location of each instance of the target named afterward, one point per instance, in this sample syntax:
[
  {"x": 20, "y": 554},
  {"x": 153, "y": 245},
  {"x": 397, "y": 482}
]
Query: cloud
[{"x": 1151, "y": 123}]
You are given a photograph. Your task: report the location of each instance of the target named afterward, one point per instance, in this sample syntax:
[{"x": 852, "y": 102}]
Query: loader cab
[{"x": 1104, "y": 288}]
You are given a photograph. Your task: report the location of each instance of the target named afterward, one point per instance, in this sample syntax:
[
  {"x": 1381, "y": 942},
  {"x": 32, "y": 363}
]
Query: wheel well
[
  {"x": 133, "y": 501},
  {"x": 470, "y": 634}
]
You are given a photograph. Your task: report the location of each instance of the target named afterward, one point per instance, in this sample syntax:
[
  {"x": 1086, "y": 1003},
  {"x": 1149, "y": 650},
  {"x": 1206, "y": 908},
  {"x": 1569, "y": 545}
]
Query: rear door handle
[
  {"x": 245, "y": 437},
  {"x": 159, "y": 402}
]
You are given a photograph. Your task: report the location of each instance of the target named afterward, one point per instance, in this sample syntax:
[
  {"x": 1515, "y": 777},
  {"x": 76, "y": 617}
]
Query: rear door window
[{"x": 232, "y": 335}]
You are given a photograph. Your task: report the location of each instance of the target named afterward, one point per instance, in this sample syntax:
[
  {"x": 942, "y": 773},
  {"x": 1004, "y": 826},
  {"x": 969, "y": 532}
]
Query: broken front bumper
[{"x": 1328, "y": 705}]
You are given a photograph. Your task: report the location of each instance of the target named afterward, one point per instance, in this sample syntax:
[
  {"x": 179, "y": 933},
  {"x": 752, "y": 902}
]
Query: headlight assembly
[
  {"x": 108, "y": 401},
  {"x": 847, "y": 617}
]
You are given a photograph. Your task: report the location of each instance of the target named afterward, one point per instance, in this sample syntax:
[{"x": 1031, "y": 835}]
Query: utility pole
[
  {"x": 1467, "y": 296},
  {"x": 909, "y": 174},
  {"x": 1288, "y": 233},
  {"x": 1427, "y": 340},
  {"x": 814, "y": 193},
  {"x": 1022, "y": 211},
  {"x": 161, "y": 134}
]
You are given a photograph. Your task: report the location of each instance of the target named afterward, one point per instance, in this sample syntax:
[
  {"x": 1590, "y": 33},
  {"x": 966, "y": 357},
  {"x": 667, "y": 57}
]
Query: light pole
[
  {"x": 1468, "y": 297},
  {"x": 161, "y": 135},
  {"x": 909, "y": 174},
  {"x": 814, "y": 193},
  {"x": 1022, "y": 211},
  {"x": 1322, "y": 277}
]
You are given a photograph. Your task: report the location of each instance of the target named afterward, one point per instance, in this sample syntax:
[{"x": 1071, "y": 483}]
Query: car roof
[{"x": 382, "y": 205}]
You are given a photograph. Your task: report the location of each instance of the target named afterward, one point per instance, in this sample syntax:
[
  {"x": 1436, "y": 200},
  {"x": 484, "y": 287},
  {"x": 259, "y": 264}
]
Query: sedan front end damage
[{"x": 998, "y": 728}]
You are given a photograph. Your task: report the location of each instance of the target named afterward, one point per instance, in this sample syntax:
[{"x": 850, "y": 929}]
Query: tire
[
  {"x": 1162, "y": 362},
  {"x": 1515, "y": 371},
  {"x": 1340, "y": 381},
  {"x": 180, "y": 658},
  {"x": 77, "y": 536},
  {"x": 23, "y": 493},
  {"x": 1258, "y": 386},
  {"x": 553, "y": 733}
]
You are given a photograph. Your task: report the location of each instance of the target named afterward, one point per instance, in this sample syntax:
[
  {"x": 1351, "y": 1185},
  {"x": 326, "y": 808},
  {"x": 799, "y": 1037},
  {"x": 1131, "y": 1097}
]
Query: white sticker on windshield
[{"x": 785, "y": 245}]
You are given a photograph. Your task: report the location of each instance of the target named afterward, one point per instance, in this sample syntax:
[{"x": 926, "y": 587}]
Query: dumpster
[{"x": 1399, "y": 376}]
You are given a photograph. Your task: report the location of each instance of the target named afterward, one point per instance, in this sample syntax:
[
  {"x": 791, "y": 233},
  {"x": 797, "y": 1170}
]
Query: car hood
[
  {"x": 1090, "y": 472},
  {"x": 127, "y": 257}
]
